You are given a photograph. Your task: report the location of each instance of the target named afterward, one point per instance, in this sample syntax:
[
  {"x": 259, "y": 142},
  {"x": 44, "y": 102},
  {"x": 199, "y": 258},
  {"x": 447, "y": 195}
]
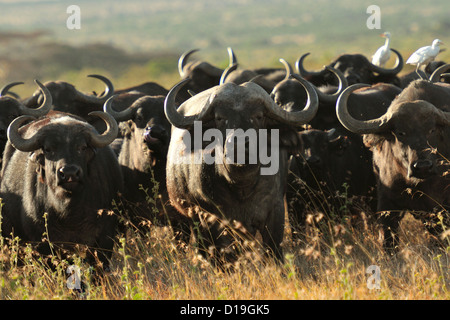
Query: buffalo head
[
  {"x": 356, "y": 69},
  {"x": 413, "y": 130},
  {"x": 229, "y": 107},
  {"x": 144, "y": 121},
  {"x": 202, "y": 74},
  {"x": 66, "y": 98},
  {"x": 288, "y": 93},
  {"x": 61, "y": 146},
  {"x": 11, "y": 108}
]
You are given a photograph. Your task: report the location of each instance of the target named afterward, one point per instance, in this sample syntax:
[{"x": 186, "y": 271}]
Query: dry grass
[{"x": 328, "y": 263}]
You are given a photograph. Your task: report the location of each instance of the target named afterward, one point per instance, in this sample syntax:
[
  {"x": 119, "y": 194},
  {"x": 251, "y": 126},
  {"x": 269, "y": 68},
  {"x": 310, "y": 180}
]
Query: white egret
[
  {"x": 424, "y": 55},
  {"x": 383, "y": 53}
]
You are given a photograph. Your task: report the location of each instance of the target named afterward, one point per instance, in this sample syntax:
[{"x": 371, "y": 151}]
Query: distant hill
[{"x": 117, "y": 35}]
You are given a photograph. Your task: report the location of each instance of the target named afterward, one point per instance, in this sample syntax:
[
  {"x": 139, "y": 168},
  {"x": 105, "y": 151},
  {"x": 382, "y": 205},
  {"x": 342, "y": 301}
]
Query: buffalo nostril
[
  {"x": 423, "y": 165},
  {"x": 157, "y": 132},
  {"x": 61, "y": 174},
  {"x": 69, "y": 173},
  {"x": 313, "y": 160},
  {"x": 421, "y": 168}
]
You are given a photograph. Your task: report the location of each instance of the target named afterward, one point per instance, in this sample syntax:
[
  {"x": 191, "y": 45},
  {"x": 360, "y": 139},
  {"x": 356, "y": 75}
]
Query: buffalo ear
[
  {"x": 290, "y": 140},
  {"x": 130, "y": 124},
  {"x": 125, "y": 129},
  {"x": 372, "y": 140},
  {"x": 339, "y": 144},
  {"x": 37, "y": 157}
]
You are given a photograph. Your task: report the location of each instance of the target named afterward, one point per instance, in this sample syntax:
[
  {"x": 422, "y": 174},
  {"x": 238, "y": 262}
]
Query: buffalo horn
[
  {"x": 102, "y": 140},
  {"x": 109, "y": 91},
  {"x": 396, "y": 69},
  {"x": 45, "y": 106},
  {"x": 16, "y": 139},
  {"x": 435, "y": 77},
  {"x": 352, "y": 124}
]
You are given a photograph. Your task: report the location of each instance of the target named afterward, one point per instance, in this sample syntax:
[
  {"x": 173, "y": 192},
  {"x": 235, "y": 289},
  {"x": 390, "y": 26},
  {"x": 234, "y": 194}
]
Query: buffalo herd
[{"x": 226, "y": 155}]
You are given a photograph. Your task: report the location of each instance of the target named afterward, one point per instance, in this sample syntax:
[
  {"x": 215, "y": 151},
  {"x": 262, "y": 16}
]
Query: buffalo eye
[
  {"x": 432, "y": 131},
  {"x": 220, "y": 119},
  {"x": 48, "y": 152},
  {"x": 401, "y": 133},
  {"x": 138, "y": 119},
  {"x": 82, "y": 148},
  {"x": 259, "y": 116}
]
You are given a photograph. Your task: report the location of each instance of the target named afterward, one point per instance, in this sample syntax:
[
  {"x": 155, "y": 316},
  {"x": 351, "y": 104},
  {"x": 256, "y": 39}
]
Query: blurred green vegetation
[{"x": 136, "y": 41}]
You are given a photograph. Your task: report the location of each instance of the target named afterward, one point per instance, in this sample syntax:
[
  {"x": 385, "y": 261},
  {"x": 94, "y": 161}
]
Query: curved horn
[
  {"x": 4, "y": 90},
  {"x": 102, "y": 140},
  {"x": 233, "y": 59},
  {"x": 303, "y": 72},
  {"x": 343, "y": 84},
  {"x": 16, "y": 139},
  {"x": 227, "y": 72},
  {"x": 298, "y": 117},
  {"x": 288, "y": 68},
  {"x": 182, "y": 61},
  {"x": 45, "y": 107},
  {"x": 109, "y": 91},
  {"x": 396, "y": 69},
  {"x": 175, "y": 118},
  {"x": 118, "y": 115},
  {"x": 436, "y": 76},
  {"x": 352, "y": 124}
]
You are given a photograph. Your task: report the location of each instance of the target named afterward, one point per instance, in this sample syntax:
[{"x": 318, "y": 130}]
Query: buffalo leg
[
  {"x": 390, "y": 221},
  {"x": 272, "y": 234}
]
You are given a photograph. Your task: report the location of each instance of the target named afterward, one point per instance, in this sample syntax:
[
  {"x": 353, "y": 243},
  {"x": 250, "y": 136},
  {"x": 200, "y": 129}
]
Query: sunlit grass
[{"x": 152, "y": 264}]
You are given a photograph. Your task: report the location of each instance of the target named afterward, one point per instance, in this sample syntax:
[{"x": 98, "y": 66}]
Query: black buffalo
[
  {"x": 410, "y": 145},
  {"x": 145, "y": 133},
  {"x": 434, "y": 71},
  {"x": 59, "y": 177},
  {"x": 332, "y": 175},
  {"x": 66, "y": 98},
  {"x": 356, "y": 69},
  {"x": 11, "y": 108},
  {"x": 243, "y": 193},
  {"x": 334, "y": 158}
]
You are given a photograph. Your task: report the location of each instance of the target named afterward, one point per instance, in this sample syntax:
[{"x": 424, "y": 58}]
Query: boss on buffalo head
[
  {"x": 62, "y": 147},
  {"x": 411, "y": 129},
  {"x": 356, "y": 69}
]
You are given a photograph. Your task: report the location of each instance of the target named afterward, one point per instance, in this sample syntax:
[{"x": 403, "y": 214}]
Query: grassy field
[
  {"x": 328, "y": 262},
  {"x": 141, "y": 41}
]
